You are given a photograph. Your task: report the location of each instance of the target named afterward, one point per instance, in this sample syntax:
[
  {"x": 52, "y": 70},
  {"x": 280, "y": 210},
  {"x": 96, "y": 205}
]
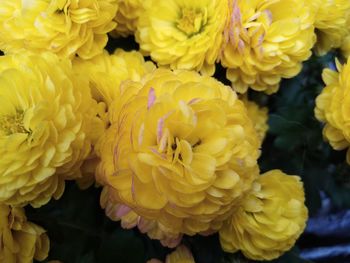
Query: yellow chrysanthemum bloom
[
  {"x": 181, "y": 149},
  {"x": 331, "y": 18},
  {"x": 270, "y": 219},
  {"x": 259, "y": 116},
  {"x": 21, "y": 241},
  {"x": 129, "y": 219},
  {"x": 106, "y": 72},
  {"x": 65, "y": 27},
  {"x": 127, "y": 17},
  {"x": 183, "y": 34},
  {"x": 266, "y": 40},
  {"x": 47, "y": 126},
  {"x": 331, "y": 107}
]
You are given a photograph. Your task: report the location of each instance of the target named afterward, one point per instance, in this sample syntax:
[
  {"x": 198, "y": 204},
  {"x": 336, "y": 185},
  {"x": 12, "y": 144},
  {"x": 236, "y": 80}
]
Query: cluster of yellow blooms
[
  {"x": 174, "y": 150},
  {"x": 331, "y": 107}
]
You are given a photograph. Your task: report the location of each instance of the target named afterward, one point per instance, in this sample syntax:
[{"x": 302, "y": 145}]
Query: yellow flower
[
  {"x": 21, "y": 241},
  {"x": 259, "y": 117},
  {"x": 47, "y": 126},
  {"x": 180, "y": 150},
  {"x": 127, "y": 17},
  {"x": 331, "y": 18},
  {"x": 180, "y": 255},
  {"x": 65, "y": 27},
  {"x": 106, "y": 72},
  {"x": 182, "y": 34},
  {"x": 331, "y": 107},
  {"x": 270, "y": 219},
  {"x": 266, "y": 40},
  {"x": 129, "y": 219}
]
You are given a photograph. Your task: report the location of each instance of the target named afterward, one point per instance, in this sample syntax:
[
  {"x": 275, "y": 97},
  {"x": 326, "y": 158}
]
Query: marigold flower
[
  {"x": 331, "y": 18},
  {"x": 259, "y": 117},
  {"x": 331, "y": 105},
  {"x": 21, "y": 241},
  {"x": 106, "y": 72},
  {"x": 264, "y": 41},
  {"x": 270, "y": 219},
  {"x": 182, "y": 34},
  {"x": 65, "y": 27},
  {"x": 48, "y": 124},
  {"x": 127, "y": 17},
  {"x": 180, "y": 150},
  {"x": 129, "y": 219}
]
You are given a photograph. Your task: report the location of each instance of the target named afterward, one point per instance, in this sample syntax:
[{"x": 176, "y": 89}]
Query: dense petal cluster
[
  {"x": 270, "y": 219},
  {"x": 183, "y": 34},
  {"x": 65, "y": 27},
  {"x": 106, "y": 72},
  {"x": 259, "y": 117},
  {"x": 266, "y": 40},
  {"x": 21, "y": 241},
  {"x": 331, "y": 18},
  {"x": 127, "y": 17},
  {"x": 47, "y": 126},
  {"x": 181, "y": 149},
  {"x": 331, "y": 107}
]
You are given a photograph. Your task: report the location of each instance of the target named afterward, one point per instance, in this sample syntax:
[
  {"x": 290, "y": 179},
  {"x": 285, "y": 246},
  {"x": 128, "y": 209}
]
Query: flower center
[
  {"x": 10, "y": 124},
  {"x": 191, "y": 21}
]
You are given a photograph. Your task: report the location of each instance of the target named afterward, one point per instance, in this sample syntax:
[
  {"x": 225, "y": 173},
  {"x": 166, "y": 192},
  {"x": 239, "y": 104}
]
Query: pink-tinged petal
[
  {"x": 133, "y": 187},
  {"x": 151, "y": 98},
  {"x": 241, "y": 45},
  {"x": 160, "y": 127},
  {"x": 171, "y": 243},
  {"x": 193, "y": 101},
  {"x": 161, "y": 155},
  {"x": 143, "y": 225},
  {"x": 208, "y": 233},
  {"x": 161, "y": 124},
  {"x": 154, "y": 260},
  {"x": 269, "y": 15},
  {"x": 141, "y": 133},
  {"x": 261, "y": 39},
  {"x": 122, "y": 211}
]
